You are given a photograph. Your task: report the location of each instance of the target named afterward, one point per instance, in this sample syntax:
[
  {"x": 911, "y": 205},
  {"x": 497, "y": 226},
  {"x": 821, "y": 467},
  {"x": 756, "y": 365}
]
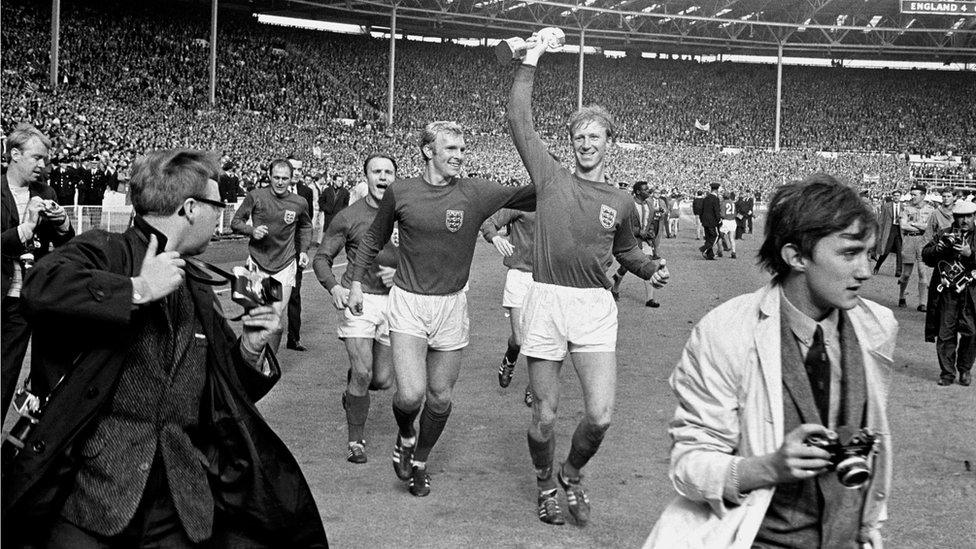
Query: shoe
[
  {"x": 652, "y": 303},
  {"x": 719, "y": 254},
  {"x": 945, "y": 381},
  {"x": 401, "y": 459},
  {"x": 704, "y": 255},
  {"x": 902, "y": 303},
  {"x": 295, "y": 346},
  {"x": 529, "y": 397},
  {"x": 505, "y": 372},
  {"x": 576, "y": 500},
  {"x": 965, "y": 378},
  {"x": 897, "y": 274},
  {"x": 549, "y": 511},
  {"x": 875, "y": 271},
  {"x": 732, "y": 255},
  {"x": 920, "y": 308},
  {"x": 419, "y": 482},
  {"x": 357, "y": 452}
]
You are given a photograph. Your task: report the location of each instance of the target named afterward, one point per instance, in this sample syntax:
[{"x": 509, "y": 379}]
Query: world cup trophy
[{"x": 512, "y": 49}]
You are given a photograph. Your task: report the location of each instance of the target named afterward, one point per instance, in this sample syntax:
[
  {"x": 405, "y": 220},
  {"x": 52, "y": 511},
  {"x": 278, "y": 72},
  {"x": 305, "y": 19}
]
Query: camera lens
[{"x": 853, "y": 472}]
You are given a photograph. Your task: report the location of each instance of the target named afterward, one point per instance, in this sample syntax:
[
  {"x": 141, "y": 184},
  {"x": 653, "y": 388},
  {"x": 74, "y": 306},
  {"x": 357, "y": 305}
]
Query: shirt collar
[{"x": 803, "y": 327}]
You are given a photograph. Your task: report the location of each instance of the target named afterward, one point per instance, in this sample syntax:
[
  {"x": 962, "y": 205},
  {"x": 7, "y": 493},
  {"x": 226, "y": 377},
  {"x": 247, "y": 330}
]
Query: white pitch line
[{"x": 306, "y": 271}]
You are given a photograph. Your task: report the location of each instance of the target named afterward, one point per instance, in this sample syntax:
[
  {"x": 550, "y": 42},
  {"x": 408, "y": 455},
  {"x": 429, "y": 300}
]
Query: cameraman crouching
[
  {"x": 151, "y": 438},
  {"x": 766, "y": 374},
  {"x": 951, "y": 322}
]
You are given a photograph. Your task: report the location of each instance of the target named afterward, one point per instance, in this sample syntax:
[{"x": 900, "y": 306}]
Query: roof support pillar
[
  {"x": 392, "y": 71},
  {"x": 579, "y": 82},
  {"x": 55, "y": 41},
  {"x": 213, "y": 53},
  {"x": 779, "y": 91}
]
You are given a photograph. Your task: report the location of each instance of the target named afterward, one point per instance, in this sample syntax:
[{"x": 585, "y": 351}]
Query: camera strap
[{"x": 201, "y": 271}]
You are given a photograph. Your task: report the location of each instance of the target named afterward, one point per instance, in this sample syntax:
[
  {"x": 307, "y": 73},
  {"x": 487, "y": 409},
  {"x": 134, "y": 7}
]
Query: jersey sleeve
[
  {"x": 239, "y": 223},
  {"x": 333, "y": 241},
  {"x": 303, "y": 234},
  {"x": 378, "y": 235},
  {"x": 501, "y": 218},
  {"x": 535, "y": 155}
]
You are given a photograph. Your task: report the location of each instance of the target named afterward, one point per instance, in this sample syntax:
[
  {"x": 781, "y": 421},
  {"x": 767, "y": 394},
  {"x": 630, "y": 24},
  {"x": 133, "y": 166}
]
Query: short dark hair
[
  {"x": 380, "y": 155},
  {"x": 802, "y": 213},
  {"x": 715, "y": 186},
  {"x": 162, "y": 180},
  {"x": 640, "y": 184},
  {"x": 281, "y": 162}
]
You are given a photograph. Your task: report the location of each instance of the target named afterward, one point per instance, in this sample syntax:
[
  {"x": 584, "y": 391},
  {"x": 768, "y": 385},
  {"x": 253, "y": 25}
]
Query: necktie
[
  {"x": 643, "y": 216},
  {"x": 895, "y": 222},
  {"x": 818, "y": 372}
]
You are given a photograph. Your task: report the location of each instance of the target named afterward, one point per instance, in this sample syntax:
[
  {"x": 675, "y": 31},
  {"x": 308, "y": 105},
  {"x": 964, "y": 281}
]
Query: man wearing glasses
[
  {"x": 152, "y": 436},
  {"x": 280, "y": 224}
]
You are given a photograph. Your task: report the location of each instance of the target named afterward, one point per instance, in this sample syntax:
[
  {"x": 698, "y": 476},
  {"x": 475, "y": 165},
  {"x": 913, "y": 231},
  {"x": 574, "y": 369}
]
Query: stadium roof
[{"x": 840, "y": 29}]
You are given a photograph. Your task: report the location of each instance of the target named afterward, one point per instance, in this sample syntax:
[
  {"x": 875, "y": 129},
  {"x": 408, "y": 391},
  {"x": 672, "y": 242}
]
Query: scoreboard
[{"x": 952, "y": 7}]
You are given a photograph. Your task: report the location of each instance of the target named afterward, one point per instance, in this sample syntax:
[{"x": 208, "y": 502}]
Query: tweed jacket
[
  {"x": 730, "y": 393},
  {"x": 81, "y": 295}
]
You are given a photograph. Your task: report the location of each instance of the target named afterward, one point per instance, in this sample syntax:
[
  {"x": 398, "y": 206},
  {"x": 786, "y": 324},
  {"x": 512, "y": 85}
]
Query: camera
[
  {"x": 50, "y": 207},
  {"x": 850, "y": 459},
  {"x": 29, "y": 407},
  {"x": 951, "y": 239},
  {"x": 251, "y": 288}
]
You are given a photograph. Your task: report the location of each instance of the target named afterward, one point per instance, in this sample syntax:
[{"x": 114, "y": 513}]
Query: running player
[
  {"x": 582, "y": 222},
  {"x": 281, "y": 224},
  {"x": 517, "y": 253},
  {"x": 366, "y": 337},
  {"x": 439, "y": 215}
]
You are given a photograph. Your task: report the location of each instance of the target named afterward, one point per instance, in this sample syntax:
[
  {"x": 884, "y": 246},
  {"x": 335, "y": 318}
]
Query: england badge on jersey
[
  {"x": 289, "y": 217},
  {"x": 607, "y": 216},
  {"x": 454, "y": 220}
]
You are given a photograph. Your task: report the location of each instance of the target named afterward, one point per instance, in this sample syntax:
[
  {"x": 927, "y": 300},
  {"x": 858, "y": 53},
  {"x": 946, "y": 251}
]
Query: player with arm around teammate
[
  {"x": 438, "y": 216},
  {"x": 582, "y": 223},
  {"x": 366, "y": 337}
]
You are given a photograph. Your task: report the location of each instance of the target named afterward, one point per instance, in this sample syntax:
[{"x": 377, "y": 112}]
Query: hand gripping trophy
[{"x": 513, "y": 49}]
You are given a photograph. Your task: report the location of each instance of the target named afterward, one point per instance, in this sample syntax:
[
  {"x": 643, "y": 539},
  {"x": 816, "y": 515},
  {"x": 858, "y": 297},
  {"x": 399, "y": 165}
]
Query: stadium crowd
[{"x": 140, "y": 83}]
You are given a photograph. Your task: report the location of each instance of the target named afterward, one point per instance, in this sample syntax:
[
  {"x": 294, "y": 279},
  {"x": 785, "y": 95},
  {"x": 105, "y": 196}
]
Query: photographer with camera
[
  {"x": 32, "y": 223},
  {"x": 782, "y": 392},
  {"x": 951, "y": 317},
  {"x": 150, "y": 435}
]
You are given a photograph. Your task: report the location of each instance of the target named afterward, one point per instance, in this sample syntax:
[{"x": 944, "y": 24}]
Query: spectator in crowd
[{"x": 333, "y": 200}]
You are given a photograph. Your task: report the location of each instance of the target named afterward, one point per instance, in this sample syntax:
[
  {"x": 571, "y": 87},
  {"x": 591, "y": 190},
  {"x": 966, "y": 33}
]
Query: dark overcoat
[
  {"x": 79, "y": 297},
  {"x": 932, "y": 255}
]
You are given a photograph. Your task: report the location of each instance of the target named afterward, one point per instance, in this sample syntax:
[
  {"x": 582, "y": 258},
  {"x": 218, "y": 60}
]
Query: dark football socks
[
  {"x": 357, "y": 408},
  {"x": 586, "y": 441},
  {"x": 512, "y": 353},
  {"x": 541, "y": 452},
  {"x": 404, "y": 420},
  {"x": 431, "y": 426}
]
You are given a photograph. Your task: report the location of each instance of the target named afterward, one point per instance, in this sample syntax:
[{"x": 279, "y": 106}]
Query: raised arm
[{"x": 534, "y": 153}]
